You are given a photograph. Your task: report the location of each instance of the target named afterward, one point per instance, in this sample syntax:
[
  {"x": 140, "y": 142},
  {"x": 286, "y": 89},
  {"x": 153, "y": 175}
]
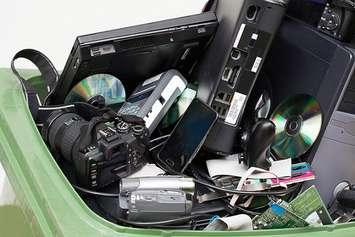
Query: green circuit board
[
  {"x": 310, "y": 203},
  {"x": 307, "y": 208},
  {"x": 278, "y": 216}
]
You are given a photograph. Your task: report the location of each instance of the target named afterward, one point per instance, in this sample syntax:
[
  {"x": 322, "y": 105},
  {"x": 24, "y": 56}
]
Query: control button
[{"x": 122, "y": 127}]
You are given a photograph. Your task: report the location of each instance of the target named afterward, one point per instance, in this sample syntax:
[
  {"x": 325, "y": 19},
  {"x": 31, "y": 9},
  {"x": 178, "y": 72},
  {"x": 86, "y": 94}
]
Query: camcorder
[{"x": 156, "y": 198}]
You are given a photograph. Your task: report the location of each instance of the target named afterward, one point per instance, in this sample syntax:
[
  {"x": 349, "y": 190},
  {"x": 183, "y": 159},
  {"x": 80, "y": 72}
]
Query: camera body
[
  {"x": 338, "y": 19},
  {"x": 119, "y": 152},
  {"x": 157, "y": 205},
  {"x": 170, "y": 182},
  {"x": 156, "y": 198},
  {"x": 102, "y": 150}
]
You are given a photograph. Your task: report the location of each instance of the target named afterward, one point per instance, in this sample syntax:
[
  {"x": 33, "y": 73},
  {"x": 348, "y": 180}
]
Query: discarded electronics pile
[{"x": 186, "y": 124}]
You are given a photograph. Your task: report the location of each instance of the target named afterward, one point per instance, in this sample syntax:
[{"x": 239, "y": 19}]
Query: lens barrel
[{"x": 62, "y": 131}]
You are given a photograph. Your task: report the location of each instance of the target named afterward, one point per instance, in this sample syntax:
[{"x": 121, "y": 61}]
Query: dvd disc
[
  {"x": 105, "y": 85},
  {"x": 298, "y": 121}
]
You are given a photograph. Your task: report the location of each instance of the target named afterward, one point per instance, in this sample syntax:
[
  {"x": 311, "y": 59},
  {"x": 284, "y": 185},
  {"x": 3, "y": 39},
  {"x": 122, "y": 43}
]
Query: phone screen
[{"x": 187, "y": 137}]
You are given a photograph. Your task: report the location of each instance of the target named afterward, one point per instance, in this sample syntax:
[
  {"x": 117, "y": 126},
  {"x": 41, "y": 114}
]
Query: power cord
[
  {"x": 167, "y": 224},
  {"x": 165, "y": 137},
  {"x": 160, "y": 223},
  {"x": 159, "y": 138},
  {"x": 156, "y": 146},
  {"x": 254, "y": 193},
  {"x": 95, "y": 193}
]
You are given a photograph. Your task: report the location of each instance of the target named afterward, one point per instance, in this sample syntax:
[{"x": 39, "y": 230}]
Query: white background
[{"x": 51, "y": 27}]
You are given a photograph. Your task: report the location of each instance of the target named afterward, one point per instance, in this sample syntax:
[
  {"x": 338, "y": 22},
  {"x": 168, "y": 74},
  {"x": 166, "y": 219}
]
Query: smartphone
[{"x": 187, "y": 137}]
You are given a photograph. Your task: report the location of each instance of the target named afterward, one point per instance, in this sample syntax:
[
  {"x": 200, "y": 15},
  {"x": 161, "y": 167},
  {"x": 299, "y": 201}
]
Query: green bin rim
[{"x": 51, "y": 205}]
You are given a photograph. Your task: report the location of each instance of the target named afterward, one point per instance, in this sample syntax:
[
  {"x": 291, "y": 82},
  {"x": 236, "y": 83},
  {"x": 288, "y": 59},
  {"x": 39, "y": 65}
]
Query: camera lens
[{"x": 62, "y": 131}]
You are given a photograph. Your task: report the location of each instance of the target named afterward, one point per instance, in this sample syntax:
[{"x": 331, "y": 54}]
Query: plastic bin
[{"x": 47, "y": 205}]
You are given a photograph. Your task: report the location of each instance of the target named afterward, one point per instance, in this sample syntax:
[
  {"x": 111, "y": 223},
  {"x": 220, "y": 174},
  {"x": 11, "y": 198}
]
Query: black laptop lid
[{"x": 136, "y": 53}]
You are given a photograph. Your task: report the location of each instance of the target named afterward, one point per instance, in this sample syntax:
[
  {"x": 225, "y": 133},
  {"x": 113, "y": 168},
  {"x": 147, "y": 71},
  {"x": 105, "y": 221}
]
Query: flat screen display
[{"x": 187, "y": 137}]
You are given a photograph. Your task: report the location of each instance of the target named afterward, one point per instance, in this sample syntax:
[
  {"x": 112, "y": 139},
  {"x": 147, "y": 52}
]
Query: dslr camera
[
  {"x": 338, "y": 19},
  {"x": 102, "y": 150}
]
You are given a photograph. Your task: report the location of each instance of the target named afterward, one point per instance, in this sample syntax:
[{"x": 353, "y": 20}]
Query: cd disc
[
  {"x": 298, "y": 121},
  {"x": 105, "y": 86}
]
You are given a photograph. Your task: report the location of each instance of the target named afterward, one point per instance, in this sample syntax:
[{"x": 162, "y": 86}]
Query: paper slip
[
  {"x": 230, "y": 166},
  {"x": 147, "y": 171}
]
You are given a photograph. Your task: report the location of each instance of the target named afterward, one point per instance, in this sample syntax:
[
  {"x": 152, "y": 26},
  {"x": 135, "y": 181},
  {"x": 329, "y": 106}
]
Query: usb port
[
  {"x": 227, "y": 74},
  {"x": 224, "y": 98},
  {"x": 221, "y": 110},
  {"x": 224, "y": 112},
  {"x": 228, "y": 98},
  {"x": 221, "y": 96}
]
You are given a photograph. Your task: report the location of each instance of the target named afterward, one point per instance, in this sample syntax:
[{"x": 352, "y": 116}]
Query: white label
[
  {"x": 256, "y": 64},
  {"x": 254, "y": 36},
  {"x": 176, "y": 83},
  {"x": 235, "y": 108},
  {"x": 102, "y": 50},
  {"x": 239, "y": 36}
]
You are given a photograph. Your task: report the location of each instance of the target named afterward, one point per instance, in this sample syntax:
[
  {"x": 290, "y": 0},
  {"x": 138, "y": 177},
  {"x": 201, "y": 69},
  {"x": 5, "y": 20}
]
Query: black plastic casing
[
  {"x": 252, "y": 39},
  {"x": 136, "y": 53},
  {"x": 111, "y": 159},
  {"x": 303, "y": 60},
  {"x": 338, "y": 22}
]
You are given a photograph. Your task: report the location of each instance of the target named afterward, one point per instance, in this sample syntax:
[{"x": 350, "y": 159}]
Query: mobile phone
[{"x": 187, "y": 137}]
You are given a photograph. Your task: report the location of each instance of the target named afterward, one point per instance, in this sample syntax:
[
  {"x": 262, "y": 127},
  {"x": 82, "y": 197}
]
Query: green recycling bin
[{"x": 47, "y": 205}]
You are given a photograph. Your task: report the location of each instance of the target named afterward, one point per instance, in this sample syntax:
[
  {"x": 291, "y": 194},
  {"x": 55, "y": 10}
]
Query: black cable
[
  {"x": 91, "y": 192},
  {"x": 157, "y": 146},
  {"x": 255, "y": 193},
  {"x": 242, "y": 209},
  {"x": 191, "y": 226},
  {"x": 259, "y": 209},
  {"x": 201, "y": 175},
  {"x": 200, "y": 223},
  {"x": 159, "y": 138},
  {"x": 294, "y": 194},
  {"x": 210, "y": 210},
  {"x": 246, "y": 211},
  {"x": 158, "y": 223},
  {"x": 178, "y": 227},
  {"x": 239, "y": 192}
]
